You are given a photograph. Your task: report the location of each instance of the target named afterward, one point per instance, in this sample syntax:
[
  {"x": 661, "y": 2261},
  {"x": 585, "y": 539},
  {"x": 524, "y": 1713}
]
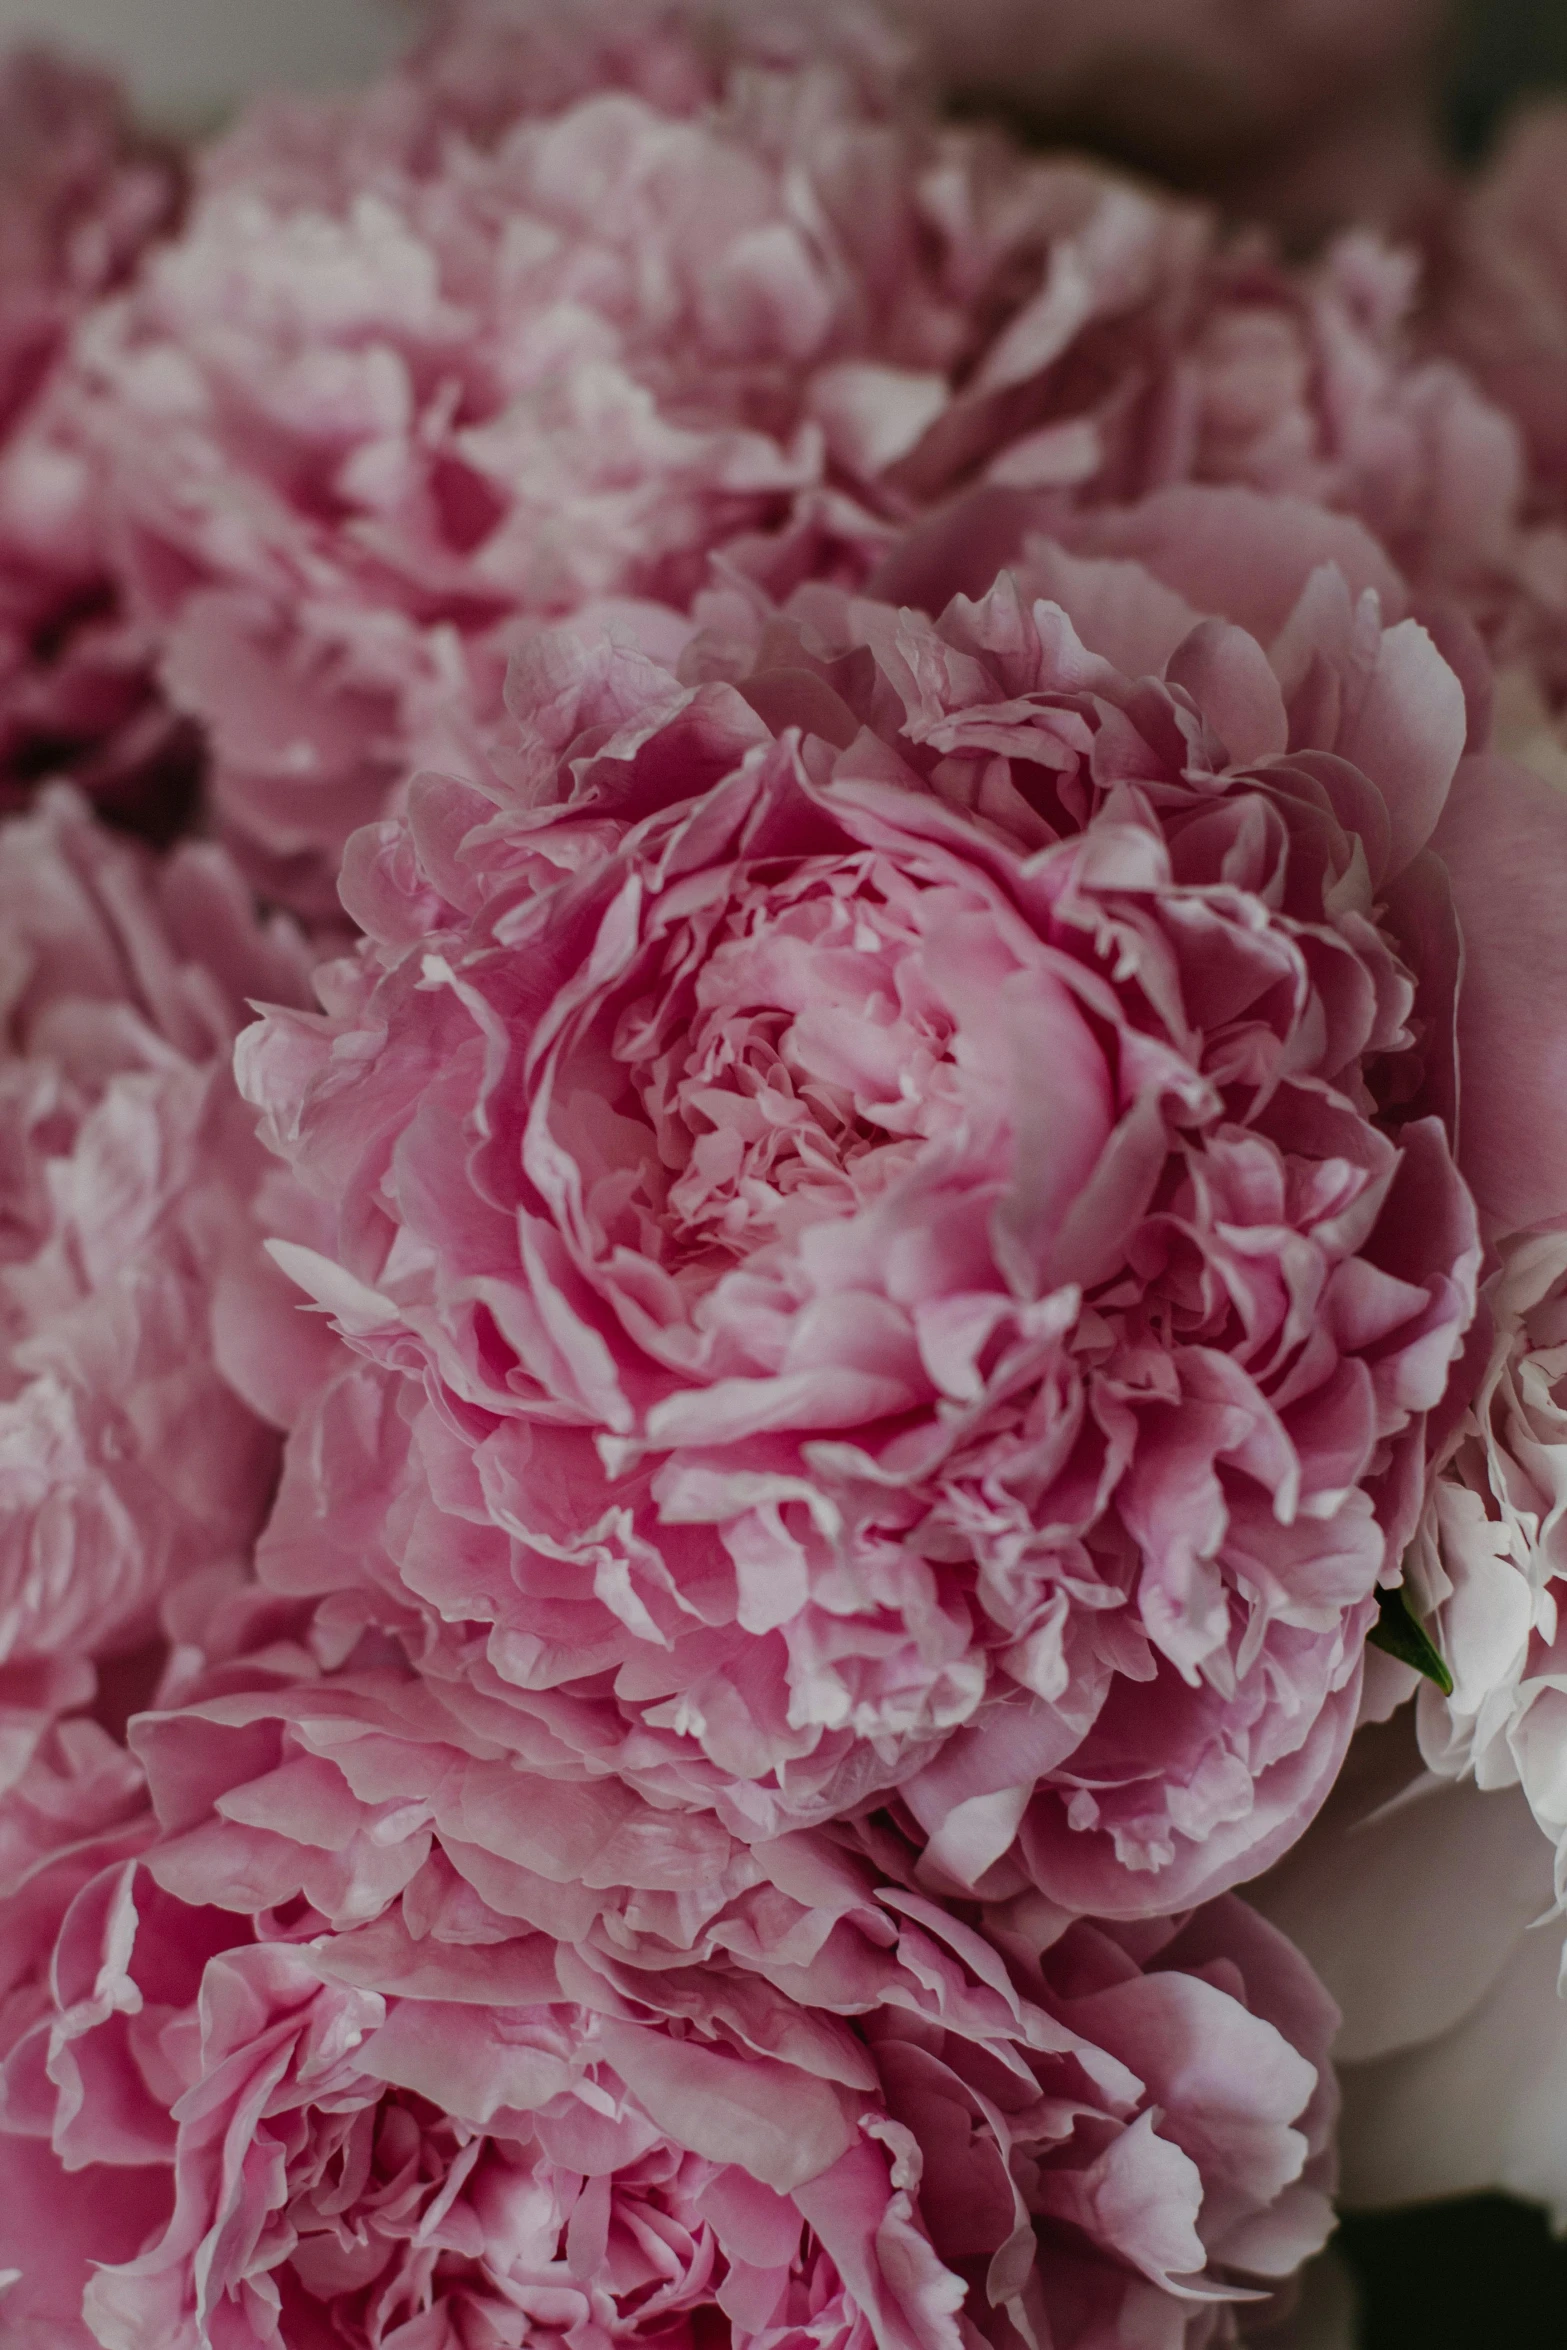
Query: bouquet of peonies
[{"x": 783, "y": 1201}]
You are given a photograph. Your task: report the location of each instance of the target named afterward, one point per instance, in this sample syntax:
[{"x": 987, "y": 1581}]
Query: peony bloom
[
  {"x": 898, "y": 1212},
  {"x": 79, "y": 202},
  {"x": 146, "y": 1357},
  {"x": 545, "y": 318},
  {"x": 570, "y": 304},
  {"x": 907, "y": 2127},
  {"x": 1491, "y": 1562},
  {"x": 477, "y": 2171}
]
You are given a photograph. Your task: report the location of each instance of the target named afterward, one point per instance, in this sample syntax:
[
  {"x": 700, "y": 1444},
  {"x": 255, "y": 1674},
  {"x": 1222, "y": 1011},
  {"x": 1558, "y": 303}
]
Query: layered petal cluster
[
  {"x": 899, "y": 1216},
  {"x": 543, "y": 320},
  {"x": 450, "y": 2122},
  {"x": 570, "y": 305},
  {"x": 80, "y": 200},
  {"x": 146, "y": 1355}
]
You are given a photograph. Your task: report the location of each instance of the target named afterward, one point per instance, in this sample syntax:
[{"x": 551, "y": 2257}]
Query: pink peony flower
[
  {"x": 497, "y": 2167},
  {"x": 1492, "y": 1559},
  {"x": 478, "y": 348},
  {"x": 896, "y": 1212},
  {"x": 446, "y": 2117},
  {"x": 80, "y": 200},
  {"x": 570, "y": 304},
  {"x": 147, "y": 1353}
]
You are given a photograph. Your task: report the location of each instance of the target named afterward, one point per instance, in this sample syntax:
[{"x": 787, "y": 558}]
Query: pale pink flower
[
  {"x": 1489, "y": 1569},
  {"x": 568, "y": 306},
  {"x": 147, "y": 1350},
  {"x": 903, "y": 1211},
  {"x": 423, "y": 363},
  {"x": 444, "y": 2115},
  {"x": 405, "y": 2169}
]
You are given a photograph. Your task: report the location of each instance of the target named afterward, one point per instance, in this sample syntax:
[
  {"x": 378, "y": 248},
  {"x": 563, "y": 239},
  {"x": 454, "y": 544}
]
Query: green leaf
[{"x": 1401, "y": 1634}]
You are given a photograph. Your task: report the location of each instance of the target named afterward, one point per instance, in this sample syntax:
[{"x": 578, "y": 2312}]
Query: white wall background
[{"x": 188, "y": 61}]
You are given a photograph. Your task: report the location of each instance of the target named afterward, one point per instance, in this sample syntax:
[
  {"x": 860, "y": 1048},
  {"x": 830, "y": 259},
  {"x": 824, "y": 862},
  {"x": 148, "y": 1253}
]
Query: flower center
[{"x": 786, "y": 1067}]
